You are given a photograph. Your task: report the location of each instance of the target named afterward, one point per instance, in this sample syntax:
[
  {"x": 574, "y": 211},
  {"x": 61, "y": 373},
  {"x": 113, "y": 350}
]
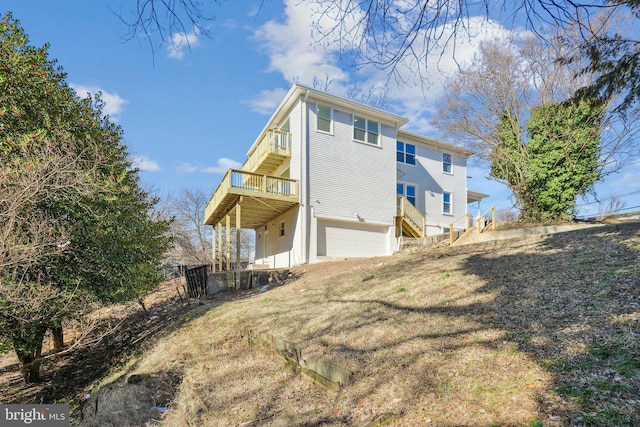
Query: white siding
[
  {"x": 280, "y": 251},
  {"x": 347, "y": 177},
  {"x": 432, "y": 182}
]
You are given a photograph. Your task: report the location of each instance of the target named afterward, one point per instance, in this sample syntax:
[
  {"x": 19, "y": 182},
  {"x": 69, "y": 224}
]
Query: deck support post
[
  {"x": 238, "y": 244},
  {"x": 228, "y": 240},
  {"x": 220, "y": 258}
]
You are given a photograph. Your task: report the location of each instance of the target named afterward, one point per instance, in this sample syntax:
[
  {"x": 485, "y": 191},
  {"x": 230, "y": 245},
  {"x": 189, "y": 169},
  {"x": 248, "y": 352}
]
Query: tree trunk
[
  {"x": 28, "y": 346},
  {"x": 141, "y": 302},
  {"x": 58, "y": 336}
]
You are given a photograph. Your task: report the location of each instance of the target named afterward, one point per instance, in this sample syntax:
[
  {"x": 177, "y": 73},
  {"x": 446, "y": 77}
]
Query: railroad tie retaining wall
[{"x": 325, "y": 373}]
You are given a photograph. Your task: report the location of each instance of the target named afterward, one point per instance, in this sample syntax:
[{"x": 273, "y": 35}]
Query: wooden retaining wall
[{"x": 323, "y": 372}]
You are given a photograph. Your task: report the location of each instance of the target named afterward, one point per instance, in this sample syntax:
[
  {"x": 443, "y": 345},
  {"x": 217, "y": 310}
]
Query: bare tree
[
  {"x": 610, "y": 205},
  {"x": 398, "y": 35},
  {"x": 495, "y": 97},
  {"x": 192, "y": 238},
  {"x": 159, "y": 20}
]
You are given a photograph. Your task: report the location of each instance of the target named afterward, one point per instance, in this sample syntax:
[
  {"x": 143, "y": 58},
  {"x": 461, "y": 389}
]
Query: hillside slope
[{"x": 543, "y": 329}]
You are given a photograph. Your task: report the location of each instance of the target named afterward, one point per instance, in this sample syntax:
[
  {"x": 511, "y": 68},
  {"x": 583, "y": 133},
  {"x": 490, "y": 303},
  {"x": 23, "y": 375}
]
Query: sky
[{"x": 191, "y": 108}]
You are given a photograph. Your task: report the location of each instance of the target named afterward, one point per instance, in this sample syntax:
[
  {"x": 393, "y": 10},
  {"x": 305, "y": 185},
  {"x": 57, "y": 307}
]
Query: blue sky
[{"x": 190, "y": 111}]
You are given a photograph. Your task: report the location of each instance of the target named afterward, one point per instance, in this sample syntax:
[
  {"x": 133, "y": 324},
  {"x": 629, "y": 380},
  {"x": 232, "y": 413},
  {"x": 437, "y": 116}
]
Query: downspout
[{"x": 304, "y": 171}]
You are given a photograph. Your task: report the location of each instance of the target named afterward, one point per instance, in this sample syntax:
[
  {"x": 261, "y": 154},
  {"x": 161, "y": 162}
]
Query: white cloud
[
  {"x": 223, "y": 164},
  {"x": 293, "y": 51},
  {"x": 417, "y": 86},
  {"x": 144, "y": 163},
  {"x": 184, "y": 167},
  {"x": 267, "y": 101},
  {"x": 113, "y": 103},
  {"x": 180, "y": 42}
]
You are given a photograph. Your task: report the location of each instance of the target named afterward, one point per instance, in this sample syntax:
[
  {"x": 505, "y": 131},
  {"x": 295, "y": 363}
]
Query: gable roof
[
  {"x": 432, "y": 142},
  {"x": 298, "y": 91}
]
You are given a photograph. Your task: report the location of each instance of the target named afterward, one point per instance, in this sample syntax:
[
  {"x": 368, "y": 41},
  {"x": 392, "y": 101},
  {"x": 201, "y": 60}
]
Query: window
[
  {"x": 406, "y": 153},
  {"x": 447, "y": 167},
  {"x": 324, "y": 118},
  {"x": 281, "y": 229},
  {"x": 407, "y": 190},
  {"x": 447, "y": 203},
  {"x": 365, "y": 130}
]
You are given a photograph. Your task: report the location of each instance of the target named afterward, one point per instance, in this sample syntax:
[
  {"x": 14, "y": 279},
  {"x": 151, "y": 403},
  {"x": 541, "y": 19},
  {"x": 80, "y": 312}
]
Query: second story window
[
  {"x": 365, "y": 130},
  {"x": 406, "y": 153},
  {"x": 447, "y": 166},
  {"x": 324, "y": 119},
  {"x": 281, "y": 233}
]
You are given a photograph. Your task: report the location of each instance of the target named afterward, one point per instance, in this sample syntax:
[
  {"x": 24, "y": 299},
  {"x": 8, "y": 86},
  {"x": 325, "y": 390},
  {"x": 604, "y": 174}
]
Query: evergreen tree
[{"x": 75, "y": 223}]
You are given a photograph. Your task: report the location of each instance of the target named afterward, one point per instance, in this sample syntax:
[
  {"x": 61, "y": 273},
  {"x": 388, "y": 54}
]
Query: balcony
[
  {"x": 271, "y": 152},
  {"x": 409, "y": 219},
  {"x": 260, "y": 197}
]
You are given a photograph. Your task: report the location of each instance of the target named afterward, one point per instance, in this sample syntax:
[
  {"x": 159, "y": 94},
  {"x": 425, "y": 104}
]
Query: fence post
[
  {"x": 451, "y": 234},
  {"x": 493, "y": 217}
]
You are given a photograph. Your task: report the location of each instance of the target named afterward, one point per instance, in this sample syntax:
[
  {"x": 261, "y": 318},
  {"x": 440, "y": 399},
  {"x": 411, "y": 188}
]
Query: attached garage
[{"x": 352, "y": 239}]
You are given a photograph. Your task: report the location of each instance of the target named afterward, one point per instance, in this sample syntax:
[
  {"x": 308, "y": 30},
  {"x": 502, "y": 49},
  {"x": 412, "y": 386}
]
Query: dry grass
[
  {"x": 542, "y": 330},
  {"x": 538, "y": 331}
]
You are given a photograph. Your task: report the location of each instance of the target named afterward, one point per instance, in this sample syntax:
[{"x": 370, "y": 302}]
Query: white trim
[
  {"x": 330, "y": 132},
  {"x": 415, "y": 155},
  {"x": 366, "y": 131},
  {"x": 352, "y": 220},
  {"x": 450, "y": 163},
  {"x": 404, "y": 191},
  {"x": 368, "y": 144},
  {"x": 434, "y": 143},
  {"x": 450, "y": 203},
  {"x": 299, "y": 91}
]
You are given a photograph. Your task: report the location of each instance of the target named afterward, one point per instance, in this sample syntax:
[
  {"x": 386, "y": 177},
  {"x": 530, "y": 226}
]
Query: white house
[{"x": 329, "y": 177}]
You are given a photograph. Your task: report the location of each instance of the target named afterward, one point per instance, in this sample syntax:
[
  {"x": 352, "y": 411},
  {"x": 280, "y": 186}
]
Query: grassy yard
[{"x": 542, "y": 330}]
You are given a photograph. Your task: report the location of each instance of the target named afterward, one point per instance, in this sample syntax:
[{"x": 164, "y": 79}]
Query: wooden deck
[
  {"x": 272, "y": 151},
  {"x": 259, "y": 197}
]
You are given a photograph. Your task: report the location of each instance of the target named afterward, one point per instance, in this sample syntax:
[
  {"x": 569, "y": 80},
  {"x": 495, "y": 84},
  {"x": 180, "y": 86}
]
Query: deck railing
[
  {"x": 452, "y": 235},
  {"x": 411, "y": 214},
  {"x": 275, "y": 142},
  {"x": 485, "y": 220},
  {"x": 261, "y": 185}
]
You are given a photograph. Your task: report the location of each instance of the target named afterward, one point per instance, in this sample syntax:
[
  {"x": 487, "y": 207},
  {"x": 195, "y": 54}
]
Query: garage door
[{"x": 342, "y": 239}]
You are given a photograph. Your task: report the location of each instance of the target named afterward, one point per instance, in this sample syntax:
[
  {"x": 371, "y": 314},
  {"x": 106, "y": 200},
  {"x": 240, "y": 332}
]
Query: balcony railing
[
  {"x": 411, "y": 215},
  {"x": 269, "y": 153},
  {"x": 237, "y": 183}
]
